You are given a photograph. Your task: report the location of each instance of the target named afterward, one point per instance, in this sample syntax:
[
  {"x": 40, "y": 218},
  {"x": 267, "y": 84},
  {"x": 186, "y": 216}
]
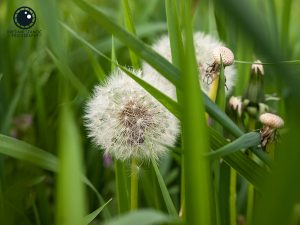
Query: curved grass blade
[
  {"x": 245, "y": 141},
  {"x": 89, "y": 218},
  {"x": 142, "y": 217},
  {"x": 165, "y": 193}
]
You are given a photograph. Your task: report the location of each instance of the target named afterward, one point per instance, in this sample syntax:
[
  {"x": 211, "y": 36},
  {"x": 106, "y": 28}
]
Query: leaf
[
  {"x": 71, "y": 198},
  {"x": 142, "y": 217},
  {"x": 89, "y": 218},
  {"x": 165, "y": 193},
  {"x": 243, "y": 142}
]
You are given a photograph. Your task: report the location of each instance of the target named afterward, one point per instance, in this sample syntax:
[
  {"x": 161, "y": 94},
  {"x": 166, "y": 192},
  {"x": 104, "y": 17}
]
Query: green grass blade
[
  {"x": 21, "y": 150},
  {"x": 144, "y": 51},
  {"x": 89, "y": 218},
  {"x": 245, "y": 141},
  {"x": 198, "y": 193},
  {"x": 142, "y": 217},
  {"x": 70, "y": 208},
  {"x": 165, "y": 193},
  {"x": 130, "y": 27}
]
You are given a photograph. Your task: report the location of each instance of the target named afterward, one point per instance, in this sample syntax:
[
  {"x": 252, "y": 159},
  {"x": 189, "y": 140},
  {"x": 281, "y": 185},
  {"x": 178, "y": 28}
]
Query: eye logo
[{"x": 24, "y": 17}]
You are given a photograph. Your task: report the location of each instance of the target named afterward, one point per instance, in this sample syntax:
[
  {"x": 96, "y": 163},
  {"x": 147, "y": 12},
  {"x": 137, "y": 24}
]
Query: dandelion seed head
[
  {"x": 204, "y": 46},
  {"x": 129, "y": 126}
]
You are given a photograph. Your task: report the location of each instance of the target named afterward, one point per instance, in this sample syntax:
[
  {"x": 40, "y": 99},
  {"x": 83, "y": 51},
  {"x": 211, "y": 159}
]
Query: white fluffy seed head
[
  {"x": 257, "y": 67},
  {"x": 127, "y": 122},
  {"x": 224, "y": 53},
  {"x": 271, "y": 120},
  {"x": 204, "y": 46}
]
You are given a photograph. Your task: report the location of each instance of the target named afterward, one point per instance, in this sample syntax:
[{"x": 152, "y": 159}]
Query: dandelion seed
[
  {"x": 134, "y": 127},
  {"x": 204, "y": 49},
  {"x": 236, "y": 104}
]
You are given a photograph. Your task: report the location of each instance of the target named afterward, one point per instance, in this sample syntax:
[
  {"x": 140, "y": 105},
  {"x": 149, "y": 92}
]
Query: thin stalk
[
  {"x": 232, "y": 198},
  {"x": 250, "y": 194},
  {"x": 134, "y": 186}
]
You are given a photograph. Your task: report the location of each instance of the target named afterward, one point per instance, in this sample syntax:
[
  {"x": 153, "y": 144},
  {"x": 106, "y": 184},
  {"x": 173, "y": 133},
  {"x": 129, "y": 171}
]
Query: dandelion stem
[{"x": 134, "y": 186}]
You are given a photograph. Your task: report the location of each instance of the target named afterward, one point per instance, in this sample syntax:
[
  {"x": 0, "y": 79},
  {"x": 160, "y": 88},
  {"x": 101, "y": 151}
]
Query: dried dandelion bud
[
  {"x": 127, "y": 121},
  {"x": 257, "y": 67},
  {"x": 271, "y": 120},
  {"x": 224, "y": 53},
  {"x": 271, "y": 123}
]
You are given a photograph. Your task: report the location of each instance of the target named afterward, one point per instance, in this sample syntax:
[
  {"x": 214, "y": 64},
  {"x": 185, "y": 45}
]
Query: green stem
[
  {"x": 250, "y": 196},
  {"x": 250, "y": 204},
  {"x": 121, "y": 187},
  {"x": 232, "y": 202},
  {"x": 134, "y": 186},
  {"x": 182, "y": 197}
]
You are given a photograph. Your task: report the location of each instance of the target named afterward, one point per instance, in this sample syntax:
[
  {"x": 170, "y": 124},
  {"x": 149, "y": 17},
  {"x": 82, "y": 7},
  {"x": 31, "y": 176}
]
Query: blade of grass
[
  {"x": 165, "y": 193},
  {"x": 89, "y": 218},
  {"x": 142, "y": 217},
  {"x": 130, "y": 27},
  {"x": 197, "y": 191},
  {"x": 245, "y": 141},
  {"x": 70, "y": 208}
]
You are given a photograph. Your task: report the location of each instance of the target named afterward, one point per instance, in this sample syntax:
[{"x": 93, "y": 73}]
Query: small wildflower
[
  {"x": 271, "y": 123},
  {"x": 127, "y": 121},
  {"x": 204, "y": 46}
]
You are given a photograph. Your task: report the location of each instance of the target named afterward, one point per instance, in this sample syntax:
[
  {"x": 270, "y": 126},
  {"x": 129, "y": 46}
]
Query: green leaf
[
  {"x": 89, "y": 218},
  {"x": 130, "y": 27},
  {"x": 165, "y": 193},
  {"x": 198, "y": 192},
  {"x": 243, "y": 142},
  {"x": 142, "y": 217},
  {"x": 21, "y": 150},
  {"x": 70, "y": 207}
]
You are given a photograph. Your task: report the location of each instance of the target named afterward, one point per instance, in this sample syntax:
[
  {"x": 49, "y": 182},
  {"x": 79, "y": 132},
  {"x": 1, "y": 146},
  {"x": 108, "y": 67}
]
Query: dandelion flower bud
[
  {"x": 127, "y": 121},
  {"x": 257, "y": 67},
  {"x": 271, "y": 123},
  {"x": 236, "y": 104},
  {"x": 204, "y": 46},
  {"x": 224, "y": 53}
]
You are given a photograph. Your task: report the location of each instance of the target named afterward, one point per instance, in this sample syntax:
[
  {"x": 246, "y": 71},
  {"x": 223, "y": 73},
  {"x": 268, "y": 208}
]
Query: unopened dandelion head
[
  {"x": 236, "y": 104},
  {"x": 204, "y": 49},
  {"x": 257, "y": 67},
  {"x": 127, "y": 122}
]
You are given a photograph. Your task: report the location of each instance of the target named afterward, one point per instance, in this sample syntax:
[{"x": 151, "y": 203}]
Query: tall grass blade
[
  {"x": 70, "y": 208},
  {"x": 198, "y": 194}
]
